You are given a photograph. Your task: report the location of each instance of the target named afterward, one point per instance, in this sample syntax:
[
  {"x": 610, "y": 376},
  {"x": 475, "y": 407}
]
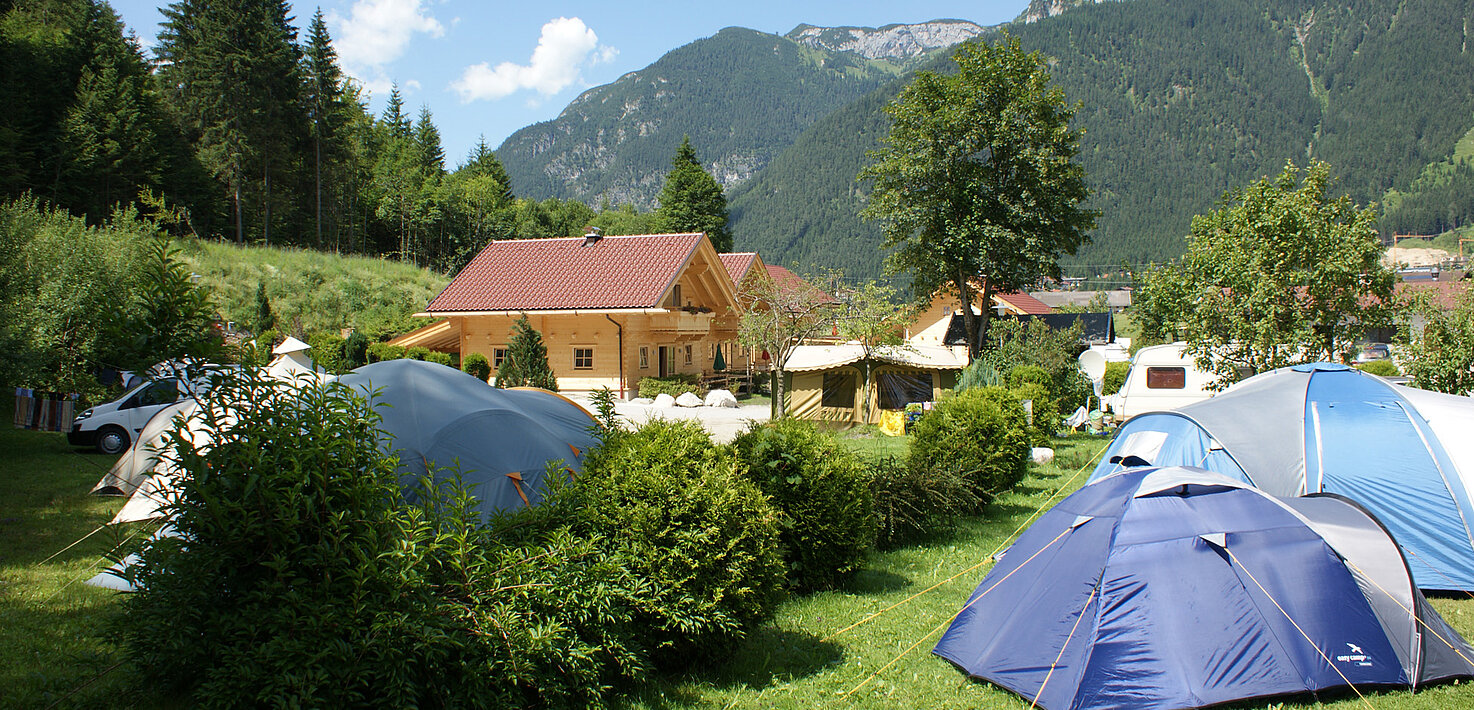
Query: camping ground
[{"x": 55, "y": 648}]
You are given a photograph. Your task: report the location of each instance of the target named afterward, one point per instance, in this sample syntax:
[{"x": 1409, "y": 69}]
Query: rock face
[
  {"x": 688, "y": 399},
  {"x": 721, "y": 398},
  {"x": 665, "y": 401},
  {"x": 1040, "y": 9},
  {"x": 889, "y": 42}
]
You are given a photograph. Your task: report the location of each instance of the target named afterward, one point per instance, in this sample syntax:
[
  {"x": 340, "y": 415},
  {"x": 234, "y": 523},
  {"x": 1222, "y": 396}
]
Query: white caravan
[{"x": 1161, "y": 377}]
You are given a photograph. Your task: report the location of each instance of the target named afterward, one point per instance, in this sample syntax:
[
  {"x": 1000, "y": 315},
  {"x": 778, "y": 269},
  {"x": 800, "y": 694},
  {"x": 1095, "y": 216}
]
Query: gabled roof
[
  {"x": 1024, "y": 303},
  {"x": 563, "y": 274},
  {"x": 739, "y": 263},
  {"x": 824, "y": 357}
]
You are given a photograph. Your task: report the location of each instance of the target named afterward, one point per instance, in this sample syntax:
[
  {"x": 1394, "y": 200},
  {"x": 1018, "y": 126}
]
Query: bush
[
  {"x": 439, "y": 358},
  {"x": 379, "y": 352},
  {"x": 327, "y": 352},
  {"x": 355, "y": 350},
  {"x": 981, "y": 434},
  {"x": 823, "y": 492},
  {"x": 1381, "y": 368},
  {"x": 912, "y": 503},
  {"x": 300, "y": 578},
  {"x": 477, "y": 366},
  {"x": 1115, "y": 376},
  {"x": 1029, "y": 374},
  {"x": 1046, "y": 417},
  {"x": 701, "y": 540},
  {"x": 417, "y": 353},
  {"x": 526, "y": 364},
  {"x": 673, "y": 385}
]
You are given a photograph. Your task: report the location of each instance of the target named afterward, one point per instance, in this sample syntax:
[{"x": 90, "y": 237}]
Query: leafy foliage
[
  {"x": 914, "y": 503},
  {"x": 1380, "y": 368},
  {"x": 980, "y": 434},
  {"x": 527, "y": 360},
  {"x": 700, "y": 538},
  {"x": 300, "y": 577},
  {"x": 977, "y": 185},
  {"x": 673, "y": 385},
  {"x": 168, "y": 319},
  {"x": 477, "y": 366},
  {"x": 1441, "y": 357},
  {"x": 1281, "y": 273},
  {"x": 1115, "y": 376},
  {"x": 823, "y": 493},
  {"x": 1031, "y": 344}
]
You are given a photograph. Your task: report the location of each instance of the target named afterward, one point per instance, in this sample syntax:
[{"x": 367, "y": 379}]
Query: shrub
[
  {"x": 912, "y": 503},
  {"x": 300, "y": 578},
  {"x": 1029, "y": 374},
  {"x": 417, "y": 353},
  {"x": 477, "y": 366},
  {"x": 1046, "y": 417},
  {"x": 1381, "y": 368},
  {"x": 701, "y": 540},
  {"x": 355, "y": 350},
  {"x": 327, "y": 352},
  {"x": 526, "y": 364},
  {"x": 379, "y": 352},
  {"x": 439, "y": 358},
  {"x": 673, "y": 385},
  {"x": 1115, "y": 376},
  {"x": 822, "y": 491},
  {"x": 981, "y": 434}
]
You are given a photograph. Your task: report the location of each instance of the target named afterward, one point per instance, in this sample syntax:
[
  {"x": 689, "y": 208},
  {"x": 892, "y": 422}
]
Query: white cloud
[
  {"x": 565, "y": 46},
  {"x": 377, "y": 32}
]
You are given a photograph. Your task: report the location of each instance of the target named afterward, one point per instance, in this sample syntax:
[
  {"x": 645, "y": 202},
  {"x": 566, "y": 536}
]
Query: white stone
[
  {"x": 665, "y": 401},
  {"x": 721, "y": 398},
  {"x": 642, "y": 400},
  {"x": 1042, "y": 454},
  {"x": 688, "y": 399}
]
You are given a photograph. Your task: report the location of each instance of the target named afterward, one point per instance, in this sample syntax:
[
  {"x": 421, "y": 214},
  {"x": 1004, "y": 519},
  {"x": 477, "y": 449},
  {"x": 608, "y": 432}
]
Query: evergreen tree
[
  {"x": 482, "y": 161},
  {"x": 526, "y": 364},
  {"x": 170, "y": 318},
  {"x": 265, "y": 319},
  {"x": 393, "y": 117},
  {"x": 328, "y": 113},
  {"x": 427, "y": 137},
  {"x": 692, "y": 201}
]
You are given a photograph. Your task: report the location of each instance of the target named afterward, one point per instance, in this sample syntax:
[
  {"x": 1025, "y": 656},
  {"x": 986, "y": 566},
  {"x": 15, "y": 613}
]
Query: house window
[
  {"x": 1166, "y": 378},
  {"x": 839, "y": 390},
  {"x": 688, "y": 354},
  {"x": 644, "y": 358},
  {"x": 583, "y": 358},
  {"x": 498, "y": 356}
]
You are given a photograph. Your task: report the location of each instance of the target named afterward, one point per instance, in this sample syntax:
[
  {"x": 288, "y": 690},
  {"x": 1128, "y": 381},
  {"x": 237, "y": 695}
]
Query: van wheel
[{"x": 112, "y": 440}]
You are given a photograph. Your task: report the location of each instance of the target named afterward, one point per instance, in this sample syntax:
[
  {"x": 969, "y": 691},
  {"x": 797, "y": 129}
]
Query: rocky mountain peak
[{"x": 890, "y": 41}]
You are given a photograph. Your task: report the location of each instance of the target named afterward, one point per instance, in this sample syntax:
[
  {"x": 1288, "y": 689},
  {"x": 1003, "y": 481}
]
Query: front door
[{"x": 667, "y": 360}]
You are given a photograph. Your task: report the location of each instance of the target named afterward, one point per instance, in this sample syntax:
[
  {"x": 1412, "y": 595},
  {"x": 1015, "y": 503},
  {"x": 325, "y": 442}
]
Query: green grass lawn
[{"x": 866, "y": 645}]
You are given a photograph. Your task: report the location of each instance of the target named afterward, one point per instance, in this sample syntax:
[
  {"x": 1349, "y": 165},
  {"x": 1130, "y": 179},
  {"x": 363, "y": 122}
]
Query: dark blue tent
[
  {"x": 1404, "y": 453},
  {"x": 1179, "y": 587},
  {"x": 502, "y": 439}
]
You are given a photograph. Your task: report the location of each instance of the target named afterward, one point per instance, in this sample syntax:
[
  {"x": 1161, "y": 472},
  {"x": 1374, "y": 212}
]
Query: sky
[{"x": 491, "y": 68}]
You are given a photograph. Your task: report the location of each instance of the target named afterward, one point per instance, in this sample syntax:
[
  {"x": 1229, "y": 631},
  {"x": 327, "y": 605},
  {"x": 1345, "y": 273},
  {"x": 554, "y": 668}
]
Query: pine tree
[
  {"x": 265, "y": 319},
  {"x": 427, "y": 137},
  {"x": 692, "y": 201},
  {"x": 526, "y": 364},
  {"x": 328, "y": 112},
  {"x": 482, "y": 161},
  {"x": 393, "y": 116}
]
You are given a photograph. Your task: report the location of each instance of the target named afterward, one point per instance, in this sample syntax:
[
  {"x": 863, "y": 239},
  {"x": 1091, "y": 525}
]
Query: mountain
[
  {"x": 743, "y": 96},
  {"x": 1180, "y": 102}
]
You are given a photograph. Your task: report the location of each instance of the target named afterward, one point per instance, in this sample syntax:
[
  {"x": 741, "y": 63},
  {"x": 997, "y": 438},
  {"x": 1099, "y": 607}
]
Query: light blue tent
[
  {"x": 1180, "y": 588},
  {"x": 1405, "y": 454},
  {"x": 502, "y": 439}
]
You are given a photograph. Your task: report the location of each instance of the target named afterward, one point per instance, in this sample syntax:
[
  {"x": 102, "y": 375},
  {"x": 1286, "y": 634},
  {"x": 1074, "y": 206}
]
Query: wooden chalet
[{"x": 611, "y": 310}]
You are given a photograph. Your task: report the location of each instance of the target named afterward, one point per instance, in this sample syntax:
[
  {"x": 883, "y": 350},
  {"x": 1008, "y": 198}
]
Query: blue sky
[{"x": 490, "y": 68}]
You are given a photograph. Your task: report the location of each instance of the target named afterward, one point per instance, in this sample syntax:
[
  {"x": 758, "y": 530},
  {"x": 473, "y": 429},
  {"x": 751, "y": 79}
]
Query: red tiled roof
[
  {"x": 1444, "y": 294},
  {"x": 1025, "y": 303},
  {"x": 738, "y": 264},
  {"x": 562, "y": 274}
]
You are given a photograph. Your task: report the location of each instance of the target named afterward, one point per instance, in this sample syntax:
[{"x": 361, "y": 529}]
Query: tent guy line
[{"x": 1006, "y": 542}]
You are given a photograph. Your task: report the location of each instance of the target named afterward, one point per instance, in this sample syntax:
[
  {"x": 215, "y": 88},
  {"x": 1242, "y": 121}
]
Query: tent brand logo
[{"x": 1357, "y": 656}]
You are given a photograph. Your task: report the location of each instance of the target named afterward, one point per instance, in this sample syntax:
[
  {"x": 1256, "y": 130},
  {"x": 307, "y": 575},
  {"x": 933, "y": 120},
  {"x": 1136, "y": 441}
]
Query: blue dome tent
[
  {"x": 1404, "y": 453},
  {"x": 1179, "y": 587},
  {"x": 502, "y": 439}
]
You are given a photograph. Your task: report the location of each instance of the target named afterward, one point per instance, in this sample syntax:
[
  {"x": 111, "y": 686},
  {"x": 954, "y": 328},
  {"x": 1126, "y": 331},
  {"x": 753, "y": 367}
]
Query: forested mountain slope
[
  {"x": 1180, "y": 102},
  {"x": 743, "y": 96}
]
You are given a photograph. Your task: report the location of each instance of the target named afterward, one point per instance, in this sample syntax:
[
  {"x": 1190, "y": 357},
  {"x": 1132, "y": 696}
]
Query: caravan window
[
  {"x": 898, "y": 389},
  {"x": 839, "y": 390},
  {"x": 1166, "y": 378}
]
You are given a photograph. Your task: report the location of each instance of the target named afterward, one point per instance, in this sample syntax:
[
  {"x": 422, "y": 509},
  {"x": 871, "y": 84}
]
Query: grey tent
[{"x": 502, "y": 439}]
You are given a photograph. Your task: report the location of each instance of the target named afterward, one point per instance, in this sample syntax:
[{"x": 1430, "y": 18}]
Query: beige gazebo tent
[{"x": 825, "y": 383}]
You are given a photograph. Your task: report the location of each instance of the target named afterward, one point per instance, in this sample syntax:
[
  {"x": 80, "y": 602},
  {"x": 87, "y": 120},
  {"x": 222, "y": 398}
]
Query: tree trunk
[
  {"x": 266, "y": 202},
  {"x": 317, "y": 172},
  {"x": 969, "y": 321},
  {"x": 240, "y": 226}
]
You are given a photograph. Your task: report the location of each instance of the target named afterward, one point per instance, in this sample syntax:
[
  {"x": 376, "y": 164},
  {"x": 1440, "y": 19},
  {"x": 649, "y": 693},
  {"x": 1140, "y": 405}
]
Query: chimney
[{"x": 592, "y": 236}]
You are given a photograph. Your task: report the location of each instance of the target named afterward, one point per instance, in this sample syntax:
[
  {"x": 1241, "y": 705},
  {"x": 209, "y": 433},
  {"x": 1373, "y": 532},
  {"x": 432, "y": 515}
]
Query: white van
[
  {"x": 111, "y": 427},
  {"x": 1161, "y": 377}
]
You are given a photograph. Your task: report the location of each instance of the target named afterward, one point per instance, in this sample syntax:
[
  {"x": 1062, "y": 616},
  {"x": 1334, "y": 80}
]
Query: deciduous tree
[
  {"x": 976, "y": 184},
  {"x": 1281, "y": 273},
  {"x": 778, "y": 316}
]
